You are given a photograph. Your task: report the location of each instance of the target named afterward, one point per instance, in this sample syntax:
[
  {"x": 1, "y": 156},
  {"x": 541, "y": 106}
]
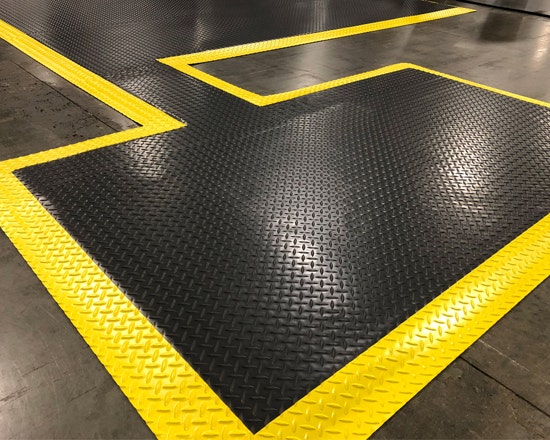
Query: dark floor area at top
[{"x": 519, "y": 382}]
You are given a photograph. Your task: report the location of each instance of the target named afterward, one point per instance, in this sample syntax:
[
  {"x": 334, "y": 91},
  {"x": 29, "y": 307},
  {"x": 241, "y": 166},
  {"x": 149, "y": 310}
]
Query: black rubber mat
[
  {"x": 272, "y": 245},
  {"x": 536, "y": 7},
  {"x": 121, "y": 38},
  {"x": 273, "y": 257}
]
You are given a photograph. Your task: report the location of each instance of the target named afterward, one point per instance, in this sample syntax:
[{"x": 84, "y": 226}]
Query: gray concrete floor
[{"x": 52, "y": 386}]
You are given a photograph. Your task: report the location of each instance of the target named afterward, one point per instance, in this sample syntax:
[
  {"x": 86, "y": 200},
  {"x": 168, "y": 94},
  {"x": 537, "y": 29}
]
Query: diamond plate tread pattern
[
  {"x": 360, "y": 397},
  {"x": 351, "y": 405},
  {"x": 122, "y": 41},
  {"x": 160, "y": 384},
  {"x": 261, "y": 245},
  {"x": 286, "y": 262},
  {"x": 132, "y": 34}
]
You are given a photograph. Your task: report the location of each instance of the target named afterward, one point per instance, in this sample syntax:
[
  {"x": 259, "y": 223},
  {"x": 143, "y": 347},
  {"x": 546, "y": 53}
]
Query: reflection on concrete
[
  {"x": 537, "y": 7},
  {"x": 502, "y": 27}
]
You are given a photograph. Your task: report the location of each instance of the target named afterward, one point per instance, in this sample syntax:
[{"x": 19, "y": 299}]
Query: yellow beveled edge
[
  {"x": 184, "y": 63},
  {"x": 359, "y": 398},
  {"x": 173, "y": 399}
]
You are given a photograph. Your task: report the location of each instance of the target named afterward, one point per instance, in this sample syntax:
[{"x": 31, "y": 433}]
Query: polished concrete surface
[
  {"x": 52, "y": 386},
  {"x": 537, "y": 7}
]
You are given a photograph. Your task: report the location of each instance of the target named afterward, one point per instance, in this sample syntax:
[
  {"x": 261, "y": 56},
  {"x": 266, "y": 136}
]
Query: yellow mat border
[
  {"x": 185, "y": 63},
  {"x": 169, "y": 395}
]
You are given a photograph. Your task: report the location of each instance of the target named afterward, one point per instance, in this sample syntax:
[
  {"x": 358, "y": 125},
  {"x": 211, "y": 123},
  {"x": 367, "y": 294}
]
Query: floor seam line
[{"x": 505, "y": 386}]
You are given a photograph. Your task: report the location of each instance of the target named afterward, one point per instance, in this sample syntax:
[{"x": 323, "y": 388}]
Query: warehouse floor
[{"x": 51, "y": 384}]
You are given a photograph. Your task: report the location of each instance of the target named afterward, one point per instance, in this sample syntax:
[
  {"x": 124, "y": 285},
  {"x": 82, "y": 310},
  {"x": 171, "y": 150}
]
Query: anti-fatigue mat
[
  {"x": 288, "y": 254},
  {"x": 122, "y": 40},
  {"x": 272, "y": 260},
  {"x": 118, "y": 38}
]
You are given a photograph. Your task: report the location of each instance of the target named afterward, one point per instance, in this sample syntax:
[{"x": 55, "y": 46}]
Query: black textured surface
[
  {"x": 132, "y": 34},
  {"x": 122, "y": 40},
  {"x": 272, "y": 245},
  {"x": 272, "y": 258}
]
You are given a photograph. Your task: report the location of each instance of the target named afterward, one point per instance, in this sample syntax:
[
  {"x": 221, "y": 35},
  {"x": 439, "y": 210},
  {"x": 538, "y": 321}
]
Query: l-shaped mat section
[
  {"x": 272, "y": 260},
  {"x": 325, "y": 244}
]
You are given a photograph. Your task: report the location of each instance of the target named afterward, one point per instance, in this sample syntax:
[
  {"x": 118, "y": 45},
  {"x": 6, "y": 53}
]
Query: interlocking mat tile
[{"x": 299, "y": 268}]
